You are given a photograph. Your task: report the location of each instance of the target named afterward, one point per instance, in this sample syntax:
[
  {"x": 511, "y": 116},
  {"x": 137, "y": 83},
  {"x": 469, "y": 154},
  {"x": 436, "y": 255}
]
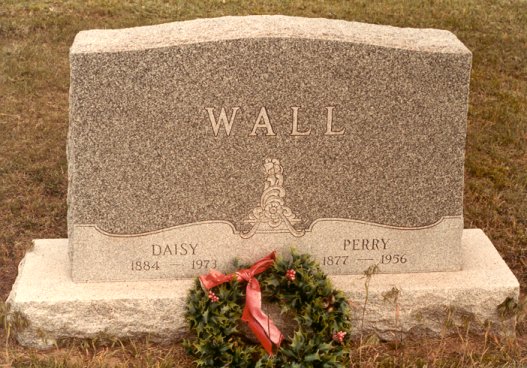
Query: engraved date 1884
[{"x": 140, "y": 265}]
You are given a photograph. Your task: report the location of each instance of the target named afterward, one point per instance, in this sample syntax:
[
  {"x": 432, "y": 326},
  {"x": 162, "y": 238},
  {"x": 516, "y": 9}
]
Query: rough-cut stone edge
[
  {"x": 264, "y": 26},
  {"x": 426, "y": 303}
]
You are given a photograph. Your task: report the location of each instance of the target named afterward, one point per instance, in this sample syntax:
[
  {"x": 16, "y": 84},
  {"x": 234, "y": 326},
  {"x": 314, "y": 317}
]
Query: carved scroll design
[{"x": 272, "y": 215}]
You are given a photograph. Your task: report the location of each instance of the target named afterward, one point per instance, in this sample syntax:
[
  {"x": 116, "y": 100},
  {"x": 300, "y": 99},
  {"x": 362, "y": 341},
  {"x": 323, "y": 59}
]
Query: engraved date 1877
[{"x": 335, "y": 260}]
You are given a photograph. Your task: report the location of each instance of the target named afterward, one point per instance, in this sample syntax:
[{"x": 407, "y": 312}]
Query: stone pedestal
[{"x": 55, "y": 308}]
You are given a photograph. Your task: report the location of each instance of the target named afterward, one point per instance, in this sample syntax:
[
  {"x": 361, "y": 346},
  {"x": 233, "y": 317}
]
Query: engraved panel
[{"x": 341, "y": 246}]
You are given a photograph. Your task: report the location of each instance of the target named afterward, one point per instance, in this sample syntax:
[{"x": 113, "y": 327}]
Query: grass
[{"x": 34, "y": 79}]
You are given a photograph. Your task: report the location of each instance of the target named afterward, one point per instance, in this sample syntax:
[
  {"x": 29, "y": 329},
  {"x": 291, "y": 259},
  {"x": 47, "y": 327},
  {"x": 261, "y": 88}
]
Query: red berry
[
  {"x": 291, "y": 275},
  {"x": 339, "y": 336},
  {"x": 213, "y": 297}
]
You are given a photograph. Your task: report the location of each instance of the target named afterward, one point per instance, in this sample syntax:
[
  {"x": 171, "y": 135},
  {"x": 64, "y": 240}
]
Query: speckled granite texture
[
  {"x": 268, "y": 124},
  {"x": 143, "y": 155}
]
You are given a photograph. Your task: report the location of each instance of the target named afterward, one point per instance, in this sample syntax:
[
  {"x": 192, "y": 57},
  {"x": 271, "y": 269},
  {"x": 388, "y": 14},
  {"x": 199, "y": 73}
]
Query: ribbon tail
[
  {"x": 213, "y": 278},
  {"x": 260, "y": 323},
  {"x": 261, "y": 265}
]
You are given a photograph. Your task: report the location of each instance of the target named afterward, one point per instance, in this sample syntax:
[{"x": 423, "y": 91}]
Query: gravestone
[
  {"x": 265, "y": 134},
  {"x": 194, "y": 143}
]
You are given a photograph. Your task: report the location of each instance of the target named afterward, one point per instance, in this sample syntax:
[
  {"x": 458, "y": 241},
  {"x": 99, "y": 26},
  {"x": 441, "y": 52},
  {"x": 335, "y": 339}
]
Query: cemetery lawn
[{"x": 34, "y": 79}]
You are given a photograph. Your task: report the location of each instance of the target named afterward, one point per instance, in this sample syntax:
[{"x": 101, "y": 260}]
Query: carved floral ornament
[{"x": 272, "y": 215}]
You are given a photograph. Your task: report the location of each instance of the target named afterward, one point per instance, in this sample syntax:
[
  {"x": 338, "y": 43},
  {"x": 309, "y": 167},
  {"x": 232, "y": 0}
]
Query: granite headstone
[
  {"x": 196, "y": 142},
  {"x": 193, "y": 143}
]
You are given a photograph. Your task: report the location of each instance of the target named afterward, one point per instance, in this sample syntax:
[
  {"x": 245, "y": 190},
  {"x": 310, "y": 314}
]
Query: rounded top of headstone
[{"x": 265, "y": 26}]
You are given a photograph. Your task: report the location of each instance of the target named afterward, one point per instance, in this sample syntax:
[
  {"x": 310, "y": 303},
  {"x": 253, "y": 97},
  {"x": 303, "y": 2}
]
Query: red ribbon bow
[{"x": 259, "y": 323}]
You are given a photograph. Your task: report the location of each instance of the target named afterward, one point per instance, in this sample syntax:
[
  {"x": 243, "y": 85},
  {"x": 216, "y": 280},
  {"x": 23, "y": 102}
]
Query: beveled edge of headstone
[{"x": 265, "y": 26}]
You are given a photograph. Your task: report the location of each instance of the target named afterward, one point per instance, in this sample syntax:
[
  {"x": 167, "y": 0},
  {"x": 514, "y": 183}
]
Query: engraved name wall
[{"x": 263, "y": 122}]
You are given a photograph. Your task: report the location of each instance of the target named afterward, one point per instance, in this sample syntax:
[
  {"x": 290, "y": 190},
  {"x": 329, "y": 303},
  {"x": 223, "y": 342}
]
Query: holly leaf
[{"x": 312, "y": 357}]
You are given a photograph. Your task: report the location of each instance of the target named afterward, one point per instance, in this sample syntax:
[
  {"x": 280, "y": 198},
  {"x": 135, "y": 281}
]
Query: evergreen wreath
[{"x": 300, "y": 287}]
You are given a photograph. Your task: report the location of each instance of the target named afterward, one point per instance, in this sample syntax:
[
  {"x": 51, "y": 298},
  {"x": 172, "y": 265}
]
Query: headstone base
[{"x": 398, "y": 305}]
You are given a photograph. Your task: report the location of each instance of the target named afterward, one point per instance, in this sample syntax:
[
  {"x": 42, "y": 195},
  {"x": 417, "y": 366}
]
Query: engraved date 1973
[{"x": 205, "y": 264}]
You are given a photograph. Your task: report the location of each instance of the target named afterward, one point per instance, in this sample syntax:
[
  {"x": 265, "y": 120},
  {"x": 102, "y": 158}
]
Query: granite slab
[{"x": 398, "y": 304}]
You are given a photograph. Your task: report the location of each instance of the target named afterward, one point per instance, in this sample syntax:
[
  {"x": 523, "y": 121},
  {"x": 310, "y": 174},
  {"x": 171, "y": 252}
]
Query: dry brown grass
[{"x": 34, "y": 80}]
